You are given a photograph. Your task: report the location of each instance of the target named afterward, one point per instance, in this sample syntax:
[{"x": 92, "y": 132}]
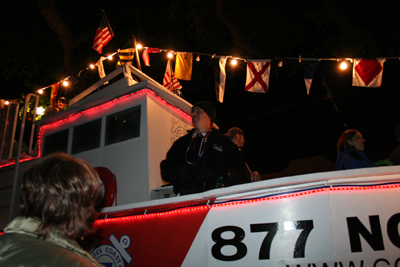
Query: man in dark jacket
[
  {"x": 203, "y": 159},
  {"x": 61, "y": 105},
  {"x": 237, "y": 136}
]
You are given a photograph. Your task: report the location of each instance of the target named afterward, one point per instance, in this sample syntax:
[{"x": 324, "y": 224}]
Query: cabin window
[
  {"x": 123, "y": 125},
  {"x": 56, "y": 142},
  {"x": 86, "y": 136}
]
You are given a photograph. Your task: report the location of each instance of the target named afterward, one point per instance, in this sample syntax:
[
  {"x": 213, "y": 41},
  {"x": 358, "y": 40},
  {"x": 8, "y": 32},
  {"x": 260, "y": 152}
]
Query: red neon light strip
[
  {"x": 151, "y": 215},
  {"x": 93, "y": 109},
  {"x": 102, "y": 106},
  {"x": 297, "y": 194}
]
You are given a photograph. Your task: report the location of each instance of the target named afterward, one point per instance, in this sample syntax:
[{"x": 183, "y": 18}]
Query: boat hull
[{"x": 345, "y": 221}]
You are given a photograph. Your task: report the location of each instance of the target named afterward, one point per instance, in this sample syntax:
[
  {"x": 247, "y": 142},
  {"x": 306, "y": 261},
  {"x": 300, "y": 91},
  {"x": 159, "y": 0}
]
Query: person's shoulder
[
  {"x": 26, "y": 250},
  {"x": 181, "y": 140},
  {"x": 217, "y": 134},
  {"x": 187, "y": 135},
  {"x": 225, "y": 141}
]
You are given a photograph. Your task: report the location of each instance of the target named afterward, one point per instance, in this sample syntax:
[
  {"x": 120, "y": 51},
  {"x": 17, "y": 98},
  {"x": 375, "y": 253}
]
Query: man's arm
[{"x": 174, "y": 168}]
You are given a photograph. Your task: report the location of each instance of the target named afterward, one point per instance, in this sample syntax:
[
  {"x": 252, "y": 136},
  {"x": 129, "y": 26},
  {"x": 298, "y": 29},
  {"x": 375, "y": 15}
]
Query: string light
[
  {"x": 206, "y": 208},
  {"x": 40, "y": 91},
  {"x": 343, "y": 64},
  {"x": 7, "y": 102},
  {"x": 65, "y": 83}
]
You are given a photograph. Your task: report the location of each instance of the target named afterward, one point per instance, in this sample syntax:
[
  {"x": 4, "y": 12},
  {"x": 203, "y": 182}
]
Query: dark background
[{"x": 45, "y": 41}]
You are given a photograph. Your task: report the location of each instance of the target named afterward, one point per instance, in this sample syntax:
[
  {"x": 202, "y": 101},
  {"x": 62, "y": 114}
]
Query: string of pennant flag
[{"x": 366, "y": 72}]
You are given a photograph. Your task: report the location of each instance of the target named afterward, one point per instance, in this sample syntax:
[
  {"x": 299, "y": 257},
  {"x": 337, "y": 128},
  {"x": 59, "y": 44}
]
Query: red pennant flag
[
  {"x": 145, "y": 55},
  {"x": 169, "y": 81},
  {"x": 368, "y": 72}
]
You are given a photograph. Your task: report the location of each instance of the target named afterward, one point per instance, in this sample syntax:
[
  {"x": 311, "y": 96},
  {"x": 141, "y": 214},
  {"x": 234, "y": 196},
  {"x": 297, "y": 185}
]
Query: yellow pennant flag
[
  {"x": 126, "y": 56},
  {"x": 183, "y": 66}
]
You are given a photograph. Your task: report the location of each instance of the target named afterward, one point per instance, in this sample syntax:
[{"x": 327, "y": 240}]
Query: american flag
[
  {"x": 104, "y": 34},
  {"x": 168, "y": 76}
]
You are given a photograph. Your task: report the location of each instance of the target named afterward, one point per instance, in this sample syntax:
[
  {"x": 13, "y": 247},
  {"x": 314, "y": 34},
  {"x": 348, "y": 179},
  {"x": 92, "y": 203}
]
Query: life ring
[{"x": 110, "y": 186}]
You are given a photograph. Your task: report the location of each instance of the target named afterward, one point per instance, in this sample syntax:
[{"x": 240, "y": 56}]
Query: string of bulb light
[{"x": 234, "y": 61}]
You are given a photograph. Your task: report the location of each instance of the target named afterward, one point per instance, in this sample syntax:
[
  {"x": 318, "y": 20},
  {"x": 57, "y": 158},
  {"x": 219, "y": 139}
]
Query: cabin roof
[{"x": 123, "y": 86}]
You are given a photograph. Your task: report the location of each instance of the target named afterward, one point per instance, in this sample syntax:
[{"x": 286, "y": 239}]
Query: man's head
[
  {"x": 203, "y": 116},
  {"x": 236, "y": 135},
  {"x": 61, "y": 191},
  {"x": 61, "y": 103}
]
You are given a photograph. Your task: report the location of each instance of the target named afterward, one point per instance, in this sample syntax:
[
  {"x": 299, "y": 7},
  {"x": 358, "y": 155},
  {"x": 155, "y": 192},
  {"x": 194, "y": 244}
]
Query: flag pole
[
  {"x": 137, "y": 53},
  {"x": 172, "y": 76},
  {"x": 108, "y": 23}
]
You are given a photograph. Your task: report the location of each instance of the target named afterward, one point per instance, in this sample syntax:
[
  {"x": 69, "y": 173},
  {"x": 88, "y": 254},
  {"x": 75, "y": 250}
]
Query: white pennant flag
[
  {"x": 100, "y": 67},
  {"x": 220, "y": 80},
  {"x": 257, "y": 77}
]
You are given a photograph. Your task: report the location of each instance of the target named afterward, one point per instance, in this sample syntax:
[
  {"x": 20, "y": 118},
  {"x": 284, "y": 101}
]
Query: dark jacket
[
  {"x": 352, "y": 158},
  {"x": 20, "y": 246},
  {"x": 50, "y": 111},
  {"x": 190, "y": 171},
  {"x": 394, "y": 157}
]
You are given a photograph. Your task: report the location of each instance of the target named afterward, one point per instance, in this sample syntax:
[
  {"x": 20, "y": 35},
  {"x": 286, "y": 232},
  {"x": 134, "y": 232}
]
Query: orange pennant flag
[
  {"x": 53, "y": 95},
  {"x": 183, "y": 66}
]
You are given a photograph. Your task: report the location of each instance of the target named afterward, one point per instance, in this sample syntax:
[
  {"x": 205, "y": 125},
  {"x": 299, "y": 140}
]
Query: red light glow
[
  {"x": 99, "y": 222},
  {"x": 94, "y": 111}
]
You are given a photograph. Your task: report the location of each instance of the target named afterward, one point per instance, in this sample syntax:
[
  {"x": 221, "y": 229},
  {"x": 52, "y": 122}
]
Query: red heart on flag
[{"x": 368, "y": 69}]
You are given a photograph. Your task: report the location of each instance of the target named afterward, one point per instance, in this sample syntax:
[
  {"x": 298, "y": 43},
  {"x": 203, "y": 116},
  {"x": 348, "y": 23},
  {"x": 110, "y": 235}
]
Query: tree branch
[
  {"x": 239, "y": 41},
  {"x": 47, "y": 9}
]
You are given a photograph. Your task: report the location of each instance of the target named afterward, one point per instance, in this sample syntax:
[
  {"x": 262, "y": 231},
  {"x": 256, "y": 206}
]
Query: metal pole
[
  {"x": 12, "y": 131},
  {"x": 137, "y": 53},
  {"x": 33, "y": 125},
  {"x": 4, "y": 132},
  {"x": 16, "y": 172}
]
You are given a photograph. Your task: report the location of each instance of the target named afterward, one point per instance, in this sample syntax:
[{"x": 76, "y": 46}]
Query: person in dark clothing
[
  {"x": 350, "y": 149},
  {"x": 237, "y": 136},
  {"x": 61, "y": 105},
  {"x": 394, "y": 157},
  {"x": 203, "y": 159}
]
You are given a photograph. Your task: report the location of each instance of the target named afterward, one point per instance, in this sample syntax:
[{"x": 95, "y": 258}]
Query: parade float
[{"x": 344, "y": 218}]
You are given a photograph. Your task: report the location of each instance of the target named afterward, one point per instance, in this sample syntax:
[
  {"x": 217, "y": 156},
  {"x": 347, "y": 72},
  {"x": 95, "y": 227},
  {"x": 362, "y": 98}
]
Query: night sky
[{"x": 280, "y": 126}]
